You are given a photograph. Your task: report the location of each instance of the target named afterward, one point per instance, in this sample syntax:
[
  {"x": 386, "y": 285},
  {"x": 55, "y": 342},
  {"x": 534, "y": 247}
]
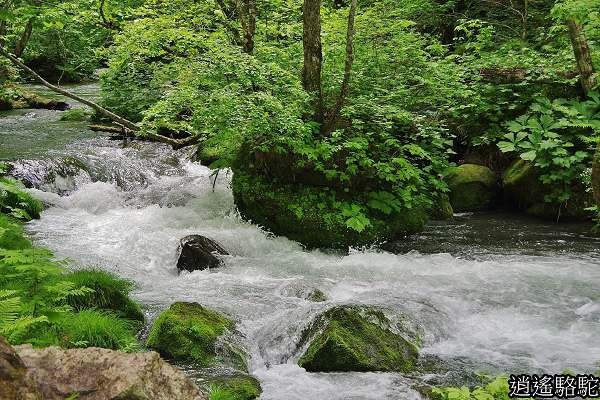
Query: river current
[{"x": 492, "y": 293}]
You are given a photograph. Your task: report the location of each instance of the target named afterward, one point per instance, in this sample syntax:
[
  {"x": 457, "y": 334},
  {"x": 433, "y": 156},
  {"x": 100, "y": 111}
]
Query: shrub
[{"x": 16, "y": 202}]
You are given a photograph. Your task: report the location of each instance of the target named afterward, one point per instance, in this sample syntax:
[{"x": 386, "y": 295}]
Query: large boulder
[
  {"x": 190, "y": 332},
  {"x": 352, "y": 338},
  {"x": 472, "y": 187},
  {"x": 53, "y": 373},
  {"x": 197, "y": 253},
  {"x": 310, "y": 214},
  {"x": 524, "y": 191},
  {"x": 15, "y": 384}
]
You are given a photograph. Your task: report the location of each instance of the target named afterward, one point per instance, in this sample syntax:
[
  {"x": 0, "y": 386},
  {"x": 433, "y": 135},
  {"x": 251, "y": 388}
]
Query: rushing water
[{"x": 491, "y": 293}]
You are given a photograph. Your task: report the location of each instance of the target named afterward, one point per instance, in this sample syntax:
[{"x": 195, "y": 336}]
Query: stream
[{"x": 492, "y": 292}]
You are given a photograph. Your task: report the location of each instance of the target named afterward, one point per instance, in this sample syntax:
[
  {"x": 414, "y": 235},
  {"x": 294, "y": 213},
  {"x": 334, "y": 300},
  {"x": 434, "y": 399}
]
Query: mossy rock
[
  {"x": 236, "y": 387},
  {"x": 110, "y": 293},
  {"x": 350, "y": 338},
  {"x": 75, "y": 115},
  {"x": 307, "y": 214},
  {"x": 16, "y": 202},
  {"x": 441, "y": 209},
  {"x": 11, "y": 234},
  {"x": 523, "y": 190},
  {"x": 472, "y": 188},
  {"x": 190, "y": 332}
]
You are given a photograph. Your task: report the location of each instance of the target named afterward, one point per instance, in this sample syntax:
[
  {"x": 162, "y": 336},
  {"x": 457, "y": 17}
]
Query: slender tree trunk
[
  {"x": 247, "y": 13},
  {"x": 313, "y": 54},
  {"x": 586, "y": 77},
  {"x": 335, "y": 112},
  {"x": 582, "y": 55},
  {"x": 24, "y": 39}
]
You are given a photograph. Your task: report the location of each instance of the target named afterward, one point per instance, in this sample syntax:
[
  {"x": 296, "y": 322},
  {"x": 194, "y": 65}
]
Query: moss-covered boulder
[
  {"x": 14, "y": 97},
  {"x": 110, "y": 293},
  {"x": 309, "y": 214},
  {"x": 191, "y": 332},
  {"x": 441, "y": 209},
  {"x": 472, "y": 187},
  {"x": 234, "y": 387},
  {"x": 351, "y": 338},
  {"x": 523, "y": 190}
]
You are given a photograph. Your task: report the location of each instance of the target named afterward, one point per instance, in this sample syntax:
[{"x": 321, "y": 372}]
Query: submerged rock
[
  {"x": 472, "y": 188},
  {"x": 524, "y": 191},
  {"x": 351, "y": 338},
  {"x": 190, "y": 332},
  {"x": 15, "y": 383},
  {"x": 234, "y": 387},
  {"x": 198, "y": 253},
  {"x": 53, "y": 373}
]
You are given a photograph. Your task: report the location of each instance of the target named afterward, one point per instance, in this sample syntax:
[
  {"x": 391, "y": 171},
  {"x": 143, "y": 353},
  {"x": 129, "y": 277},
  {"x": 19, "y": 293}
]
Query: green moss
[
  {"x": 308, "y": 214},
  {"x": 357, "y": 339},
  {"x": 75, "y": 114},
  {"x": 188, "y": 331},
  {"x": 110, "y": 293},
  {"x": 11, "y": 234},
  {"x": 472, "y": 187},
  {"x": 16, "y": 202},
  {"x": 238, "y": 387}
]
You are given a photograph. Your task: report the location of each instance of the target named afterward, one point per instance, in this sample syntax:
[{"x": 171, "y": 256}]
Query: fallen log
[{"x": 108, "y": 128}]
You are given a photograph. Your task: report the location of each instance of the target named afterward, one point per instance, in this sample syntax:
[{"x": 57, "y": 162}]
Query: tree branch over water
[{"x": 125, "y": 123}]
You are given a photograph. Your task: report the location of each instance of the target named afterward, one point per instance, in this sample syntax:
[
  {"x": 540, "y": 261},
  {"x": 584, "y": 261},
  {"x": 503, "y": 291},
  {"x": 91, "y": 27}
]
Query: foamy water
[{"x": 499, "y": 313}]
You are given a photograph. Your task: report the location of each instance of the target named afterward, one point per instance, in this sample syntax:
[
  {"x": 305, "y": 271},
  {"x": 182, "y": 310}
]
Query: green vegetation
[
  {"x": 354, "y": 339},
  {"x": 188, "y": 331},
  {"x": 239, "y": 387},
  {"x": 75, "y": 114},
  {"x": 497, "y": 389},
  {"x": 42, "y": 303}
]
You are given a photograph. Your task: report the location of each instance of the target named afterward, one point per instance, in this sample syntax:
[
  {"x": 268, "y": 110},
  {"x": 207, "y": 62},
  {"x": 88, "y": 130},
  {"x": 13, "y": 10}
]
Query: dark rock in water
[
  {"x": 352, "y": 338},
  {"x": 89, "y": 374},
  {"x": 472, "y": 188},
  {"x": 198, "y": 253}
]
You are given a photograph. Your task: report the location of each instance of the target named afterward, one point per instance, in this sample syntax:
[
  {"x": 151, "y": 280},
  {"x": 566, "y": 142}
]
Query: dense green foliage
[{"x": 43, "y": 304}]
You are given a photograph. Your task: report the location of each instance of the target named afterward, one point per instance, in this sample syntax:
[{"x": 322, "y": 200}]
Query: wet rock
[
  {"x": 352, "y": 338},
  {"x": 441, "y": 209},
  {"x": 472, "y": 188},
  {"x": 199, "y": 253},
  {"x": 233, "y": 387},
  {"x": 53, "y": 373},
  {"x": 524, "y": 191},
  {"x": 15, "y": 384},
  {"x": 191, "y": 332}
]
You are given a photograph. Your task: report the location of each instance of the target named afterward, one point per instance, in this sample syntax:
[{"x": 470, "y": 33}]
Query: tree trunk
[
  {"x": 586, "y": 77},
  {"x": 582, "y": 55},
  {"x": 335, "y": 113},
  {"x": 313, "y": 54},
  {"x": 24, "y": 39},
  {"x": 247, "y": 13}
]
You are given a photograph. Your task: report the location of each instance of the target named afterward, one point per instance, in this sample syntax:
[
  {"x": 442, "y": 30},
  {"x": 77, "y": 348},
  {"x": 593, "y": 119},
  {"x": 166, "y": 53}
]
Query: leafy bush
[{"x": 559, "y": 138}]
